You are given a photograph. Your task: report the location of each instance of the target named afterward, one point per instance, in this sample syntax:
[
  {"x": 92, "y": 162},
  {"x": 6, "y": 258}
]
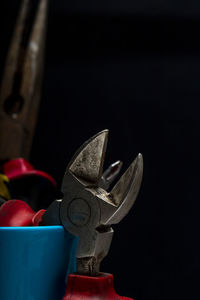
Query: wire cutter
[{"x": 87, "y": 210}]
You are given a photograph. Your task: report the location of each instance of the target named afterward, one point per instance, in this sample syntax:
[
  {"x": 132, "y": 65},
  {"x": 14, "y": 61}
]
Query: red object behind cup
[
  {"x": 17, "y": 213},
  {"x": 19, "y": 168},
  {"x": 37, "y": 218}
]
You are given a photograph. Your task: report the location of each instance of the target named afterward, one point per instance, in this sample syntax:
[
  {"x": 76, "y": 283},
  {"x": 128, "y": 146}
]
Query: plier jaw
[{"x": 87, "y": 210}]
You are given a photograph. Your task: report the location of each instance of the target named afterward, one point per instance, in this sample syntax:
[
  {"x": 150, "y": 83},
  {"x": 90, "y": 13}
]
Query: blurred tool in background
[{"x": 19, "y": 103}]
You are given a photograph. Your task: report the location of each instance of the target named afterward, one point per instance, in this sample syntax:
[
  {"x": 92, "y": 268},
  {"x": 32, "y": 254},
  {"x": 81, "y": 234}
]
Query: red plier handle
[
  {"x": 19, "y": 213},
  {"x": 100, "y": 287}
]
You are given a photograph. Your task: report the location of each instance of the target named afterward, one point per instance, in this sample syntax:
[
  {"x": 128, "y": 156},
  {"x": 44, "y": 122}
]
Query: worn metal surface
[
  {"x": 52, "y": 214},
  {"x": 87, "y": 163},
  {"x": 110, "y": 174},
  {"x": 87, "y": 210},
  {"x": 20, "y": 88}
]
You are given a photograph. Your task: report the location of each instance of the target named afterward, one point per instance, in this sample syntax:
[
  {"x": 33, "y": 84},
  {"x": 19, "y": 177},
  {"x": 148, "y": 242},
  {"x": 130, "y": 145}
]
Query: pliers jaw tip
[
  {"x": 125, "y": 191},
  {"x": 87, "y": 163}
]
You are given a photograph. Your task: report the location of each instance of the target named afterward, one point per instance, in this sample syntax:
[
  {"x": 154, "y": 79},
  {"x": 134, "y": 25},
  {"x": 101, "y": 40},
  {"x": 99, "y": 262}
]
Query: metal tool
[
  {"x": 110, "y": 174},
  {"x": 19, "y": 102},
  {"x": 20, "y": 88},
  {"x": 87, "y": 210}
]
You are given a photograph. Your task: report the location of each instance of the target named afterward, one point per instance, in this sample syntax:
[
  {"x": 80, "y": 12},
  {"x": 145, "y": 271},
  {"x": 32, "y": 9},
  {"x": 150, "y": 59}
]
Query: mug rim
[{"x": 33, "y": 228}]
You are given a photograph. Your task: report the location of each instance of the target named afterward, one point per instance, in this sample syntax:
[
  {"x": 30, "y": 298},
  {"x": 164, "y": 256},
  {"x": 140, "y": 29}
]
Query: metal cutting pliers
[{"x": 87, "y": 210}]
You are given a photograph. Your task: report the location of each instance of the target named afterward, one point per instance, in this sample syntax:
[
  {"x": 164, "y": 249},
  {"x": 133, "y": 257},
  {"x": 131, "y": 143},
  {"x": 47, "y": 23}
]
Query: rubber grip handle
[
  {"x": 19, "y": 213},
  {"x": 100, "y": 287}
]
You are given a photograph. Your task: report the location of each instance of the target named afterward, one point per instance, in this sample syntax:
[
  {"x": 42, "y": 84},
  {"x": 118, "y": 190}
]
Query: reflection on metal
[{"x": 110, "y": 174}]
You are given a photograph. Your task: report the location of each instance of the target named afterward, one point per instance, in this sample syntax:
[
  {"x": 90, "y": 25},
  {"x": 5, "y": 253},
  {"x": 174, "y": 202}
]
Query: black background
[{"x": 132, "y": 67}]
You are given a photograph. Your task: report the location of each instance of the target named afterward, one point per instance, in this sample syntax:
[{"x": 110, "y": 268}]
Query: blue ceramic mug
[{"x": 35, "y": 261}]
